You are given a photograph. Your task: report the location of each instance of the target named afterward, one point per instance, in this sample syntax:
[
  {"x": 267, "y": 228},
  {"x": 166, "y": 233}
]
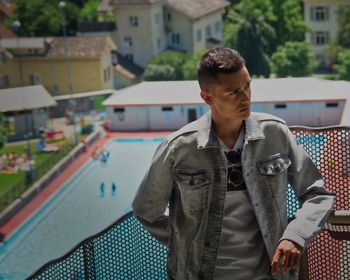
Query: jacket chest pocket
[
  {"x": 193, "y": 185},
  {"x": 272, "y": 171}
]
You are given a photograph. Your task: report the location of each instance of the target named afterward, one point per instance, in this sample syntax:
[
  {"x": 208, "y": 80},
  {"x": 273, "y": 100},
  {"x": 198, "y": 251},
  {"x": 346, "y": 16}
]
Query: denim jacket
[{"x": 188, "y": 173}]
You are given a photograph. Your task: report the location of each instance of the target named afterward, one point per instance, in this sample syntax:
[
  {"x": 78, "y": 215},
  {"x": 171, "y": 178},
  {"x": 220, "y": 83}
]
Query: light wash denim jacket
[{"x": 189, "y": 173}]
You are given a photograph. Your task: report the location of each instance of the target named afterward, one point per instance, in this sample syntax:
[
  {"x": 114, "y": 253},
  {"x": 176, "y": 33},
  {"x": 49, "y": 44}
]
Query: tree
[
  {"x": 293, "y": 59},
  {"x": 343, "y": 37},
  {"x": 189, "y": 69},
  {"x": 342, "y": 67},
  {"x": 2, "y": 131},
  {"x": 42, "y": 18},
  {"x": 251, "y": 33},
  {"x": 174, "y": 59},
  {"x": 154, "y": 72},
  {"x": 89, "y": 11},
  {"x": 289, "y": 24}
]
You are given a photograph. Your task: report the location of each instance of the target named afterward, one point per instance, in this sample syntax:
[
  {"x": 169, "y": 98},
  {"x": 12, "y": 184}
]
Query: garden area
[{"x": 14, "y": 183}]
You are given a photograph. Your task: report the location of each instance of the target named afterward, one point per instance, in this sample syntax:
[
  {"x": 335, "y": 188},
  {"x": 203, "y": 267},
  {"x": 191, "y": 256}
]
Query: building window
[
  {"x": 319, "y": 13},
  {"x": 217, "y": 27},
  {"x": 169, "y": 16},
  {"x": 133, "y": 21},
  {"x": 34, "y": 79},
  {"x": 114, "y": 57},
  {"x": 280, "y": 106},
  {"x": 4, "y": 81},
  {"x": 175, "y": 37},
  {"x": 157, "y": 19},
  {"x": 320, "y": 38},
  {"x": 331, "y": 104},
  {"x": 2, "y": 57},
  {"x": 105, "y": 75},
  {"x": 208, "y": 31},
  {"x": 167, "y": 109},
  {"x": 119, "y": 110},
  {"x": 130, "y": 57},
  {"x": 199, "y": 35},
  {"x": 128, "y": 41},
  {"x": 159, "y": 44},
  {"x": 109, "y": 72}
]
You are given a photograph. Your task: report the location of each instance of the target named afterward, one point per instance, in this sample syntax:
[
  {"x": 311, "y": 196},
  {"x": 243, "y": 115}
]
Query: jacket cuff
[{"x": 295, "y": 237}]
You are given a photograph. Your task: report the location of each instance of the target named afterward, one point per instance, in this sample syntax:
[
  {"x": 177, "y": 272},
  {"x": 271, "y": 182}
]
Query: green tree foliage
[
  {"x": 2, "y": 132},
  {"x": 171, "y": 58},
  {"x": 343, "y": 37},
  {"x": 342, "y": 67},
  {"x": 89, "y": 11},
  {"x": 154, "y": 72},
  {"x": 293, "y": 59},
  {"x": 189, "y": 69},
  {"x": 248, "y": 29},
  {"x": 42, "y": 17},
  {"x": 289, "y": 24}
]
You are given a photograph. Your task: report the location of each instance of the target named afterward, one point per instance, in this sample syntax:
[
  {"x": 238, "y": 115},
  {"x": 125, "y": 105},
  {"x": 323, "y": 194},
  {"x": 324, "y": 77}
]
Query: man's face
[{"x": 229, "y": 97}]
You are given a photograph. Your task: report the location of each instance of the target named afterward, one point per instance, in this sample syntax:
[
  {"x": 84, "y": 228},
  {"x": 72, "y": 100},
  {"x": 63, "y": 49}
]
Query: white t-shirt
[{"x": 241, "y": 254}]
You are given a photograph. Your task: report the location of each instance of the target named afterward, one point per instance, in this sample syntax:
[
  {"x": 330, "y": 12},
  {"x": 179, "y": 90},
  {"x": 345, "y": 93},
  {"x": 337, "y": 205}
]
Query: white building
[
  {"x": 321, "y": 16},
  {"x": 169, "y": 105},
  {"x": 145, "y": 28}
]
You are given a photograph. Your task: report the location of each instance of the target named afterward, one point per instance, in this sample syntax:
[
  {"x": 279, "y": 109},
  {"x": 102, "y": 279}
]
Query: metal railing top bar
[{"x": 319, "y": 129}]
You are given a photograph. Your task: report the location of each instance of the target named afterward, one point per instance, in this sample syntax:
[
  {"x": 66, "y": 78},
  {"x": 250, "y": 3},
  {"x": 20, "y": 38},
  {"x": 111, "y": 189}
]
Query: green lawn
[{"x": 43, "y": 163}]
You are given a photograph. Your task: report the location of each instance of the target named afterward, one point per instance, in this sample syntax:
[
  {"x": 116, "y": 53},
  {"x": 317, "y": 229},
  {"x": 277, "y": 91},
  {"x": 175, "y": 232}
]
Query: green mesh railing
[{"x": 125, "y": 250}]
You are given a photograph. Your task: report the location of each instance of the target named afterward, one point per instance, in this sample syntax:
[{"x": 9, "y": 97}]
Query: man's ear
[{"x": 206, "y": 97}]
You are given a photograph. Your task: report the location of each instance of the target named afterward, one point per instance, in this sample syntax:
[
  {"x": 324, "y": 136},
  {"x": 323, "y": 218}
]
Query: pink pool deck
[{"x": 31, "y": 208}]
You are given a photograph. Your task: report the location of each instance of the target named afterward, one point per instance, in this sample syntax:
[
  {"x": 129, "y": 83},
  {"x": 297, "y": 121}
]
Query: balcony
[{"x": 125, "y": 250}]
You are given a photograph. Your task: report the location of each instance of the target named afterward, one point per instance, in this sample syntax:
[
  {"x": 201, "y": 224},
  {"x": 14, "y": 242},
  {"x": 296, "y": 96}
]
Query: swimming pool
[{"x": 79, "y": 209}]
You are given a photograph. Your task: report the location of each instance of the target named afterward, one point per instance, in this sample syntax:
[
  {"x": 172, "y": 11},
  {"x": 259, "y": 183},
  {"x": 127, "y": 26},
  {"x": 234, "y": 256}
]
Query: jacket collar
[{"x": 208, "y": 139}]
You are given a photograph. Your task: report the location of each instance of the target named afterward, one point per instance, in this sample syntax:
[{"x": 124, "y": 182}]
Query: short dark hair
[{"x": 215, "y": 61}]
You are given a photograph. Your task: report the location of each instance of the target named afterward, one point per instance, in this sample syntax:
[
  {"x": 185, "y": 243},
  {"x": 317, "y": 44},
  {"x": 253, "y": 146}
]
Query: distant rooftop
[
  {"x": 81, "y": 46},
  {"x": 127, "y": 68},
  {"x": 6, "y": 33},
  {"x": 263, "y": 90},
  {"x": 128, "y": 2},
  {"x": 197, "y": 8},
  {"x": 25, "y": 98},
  {"x": 5, "y": 8},
  {"x": 91, "y": 46},
  {"x": 25, "y": 42}
]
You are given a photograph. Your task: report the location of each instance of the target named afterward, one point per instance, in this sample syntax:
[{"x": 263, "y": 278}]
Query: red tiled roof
[
  {"x": 81, "y": 46},
  {"x": 5, "y": 9},
  {"x": 128, "y": 2},
  {"x": 6, "y": 33},
  {"x": 197, "y": 8}
]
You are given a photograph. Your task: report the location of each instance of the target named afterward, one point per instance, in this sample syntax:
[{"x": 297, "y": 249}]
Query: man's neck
[{"x": 227, "y": 130}]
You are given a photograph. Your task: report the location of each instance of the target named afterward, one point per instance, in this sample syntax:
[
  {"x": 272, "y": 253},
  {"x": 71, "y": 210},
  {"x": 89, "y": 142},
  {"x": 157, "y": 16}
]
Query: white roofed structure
[
  {"x": 171, "y": 104},
  {"x": 25, "y": 98}
]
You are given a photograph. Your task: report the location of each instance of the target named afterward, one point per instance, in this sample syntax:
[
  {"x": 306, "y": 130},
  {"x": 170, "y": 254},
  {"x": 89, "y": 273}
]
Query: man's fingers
[{"x": 275, "y": 263}]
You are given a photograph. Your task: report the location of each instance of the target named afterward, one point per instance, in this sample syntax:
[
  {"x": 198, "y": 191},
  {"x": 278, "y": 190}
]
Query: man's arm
[
  {"x": 153, "y": 194},
  {"x": 316, "y": 204}
]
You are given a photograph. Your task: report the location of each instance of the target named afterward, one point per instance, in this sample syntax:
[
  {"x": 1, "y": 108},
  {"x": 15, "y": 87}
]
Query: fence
[{"x": 125, "y": 250}]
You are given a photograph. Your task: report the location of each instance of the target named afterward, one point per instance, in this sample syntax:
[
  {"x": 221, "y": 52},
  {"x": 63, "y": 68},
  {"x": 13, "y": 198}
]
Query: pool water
[{"x": 79, "y": 209}]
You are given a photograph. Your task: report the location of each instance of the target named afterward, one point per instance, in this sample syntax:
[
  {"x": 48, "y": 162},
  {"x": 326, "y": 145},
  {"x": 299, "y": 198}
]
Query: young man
[{"x": 225, "y": 178}]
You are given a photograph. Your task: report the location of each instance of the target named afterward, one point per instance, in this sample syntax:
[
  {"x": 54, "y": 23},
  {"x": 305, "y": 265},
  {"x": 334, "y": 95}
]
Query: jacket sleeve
[
  {"x": 316, "y": 202},
  {"x": 152, "y": 197}
]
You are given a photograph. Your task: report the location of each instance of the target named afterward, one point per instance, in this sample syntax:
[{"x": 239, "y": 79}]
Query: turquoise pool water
[{"x": 78, "y": 209}]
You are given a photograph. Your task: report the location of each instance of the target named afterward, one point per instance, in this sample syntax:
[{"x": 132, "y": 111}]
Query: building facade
[
  {"x": 159, "y": 106},
  {"x": 44, "y": 61},
  {"x": 145, "y": 28},
  {"x": 321, "y": 16}
]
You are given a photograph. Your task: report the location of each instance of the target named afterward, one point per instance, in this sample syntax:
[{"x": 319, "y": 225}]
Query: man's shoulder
[
  {"x": 266, "y": 117},
  {"x": 188, "y": 129}
]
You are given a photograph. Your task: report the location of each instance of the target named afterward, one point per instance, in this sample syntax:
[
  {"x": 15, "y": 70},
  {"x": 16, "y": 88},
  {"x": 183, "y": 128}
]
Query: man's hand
[{"x": 287, "y": 257}]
